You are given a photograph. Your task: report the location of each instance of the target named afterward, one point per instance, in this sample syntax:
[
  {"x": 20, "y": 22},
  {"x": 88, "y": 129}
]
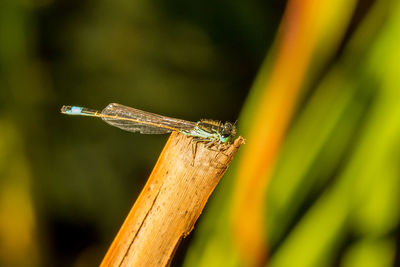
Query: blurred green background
[{"x": 316, "y": 88}]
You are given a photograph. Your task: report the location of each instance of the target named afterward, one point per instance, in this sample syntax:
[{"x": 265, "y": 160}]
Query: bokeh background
[{"x": 315, "y": 86}]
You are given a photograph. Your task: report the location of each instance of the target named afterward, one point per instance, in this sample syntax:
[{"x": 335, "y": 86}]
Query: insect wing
[{"x": 135, "y": 120}]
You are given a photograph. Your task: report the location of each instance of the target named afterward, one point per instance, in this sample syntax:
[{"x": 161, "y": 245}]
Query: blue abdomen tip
[{"x": 75, "y": 110}]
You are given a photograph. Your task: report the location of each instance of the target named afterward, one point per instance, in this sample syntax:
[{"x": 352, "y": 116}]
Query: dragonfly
[{"x": 134, "y": 120}]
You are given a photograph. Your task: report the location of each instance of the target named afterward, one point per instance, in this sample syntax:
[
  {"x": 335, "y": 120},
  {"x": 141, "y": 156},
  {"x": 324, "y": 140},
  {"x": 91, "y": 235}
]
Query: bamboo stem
[{"x": 170, "y": 203}]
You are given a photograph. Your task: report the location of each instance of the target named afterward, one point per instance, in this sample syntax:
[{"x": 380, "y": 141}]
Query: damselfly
[{"x": 135, "y": 120}]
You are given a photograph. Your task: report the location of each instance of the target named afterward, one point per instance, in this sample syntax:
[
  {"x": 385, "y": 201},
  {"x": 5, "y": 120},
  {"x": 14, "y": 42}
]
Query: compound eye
[
  {"x": 228, "y": 125},
  {"x": 225, "y": 138}
]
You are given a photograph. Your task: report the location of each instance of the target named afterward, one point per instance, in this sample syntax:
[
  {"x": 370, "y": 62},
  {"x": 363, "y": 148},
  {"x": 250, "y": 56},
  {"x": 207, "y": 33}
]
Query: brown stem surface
[{"x": 170, "y": 203}]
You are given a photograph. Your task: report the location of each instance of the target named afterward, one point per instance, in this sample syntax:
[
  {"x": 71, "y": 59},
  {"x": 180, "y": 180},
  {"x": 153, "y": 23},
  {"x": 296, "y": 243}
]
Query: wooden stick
[{"x": 170, "y": 203}]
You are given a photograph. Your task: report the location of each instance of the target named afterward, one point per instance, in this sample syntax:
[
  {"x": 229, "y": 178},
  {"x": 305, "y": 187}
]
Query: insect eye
[{"x": 224, "y": 138}]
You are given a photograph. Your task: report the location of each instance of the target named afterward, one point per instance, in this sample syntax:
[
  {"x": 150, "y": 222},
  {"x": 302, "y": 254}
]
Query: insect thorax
[
  {"x": 213, "y": 131},
  {"x": 210, "y": 126}
]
